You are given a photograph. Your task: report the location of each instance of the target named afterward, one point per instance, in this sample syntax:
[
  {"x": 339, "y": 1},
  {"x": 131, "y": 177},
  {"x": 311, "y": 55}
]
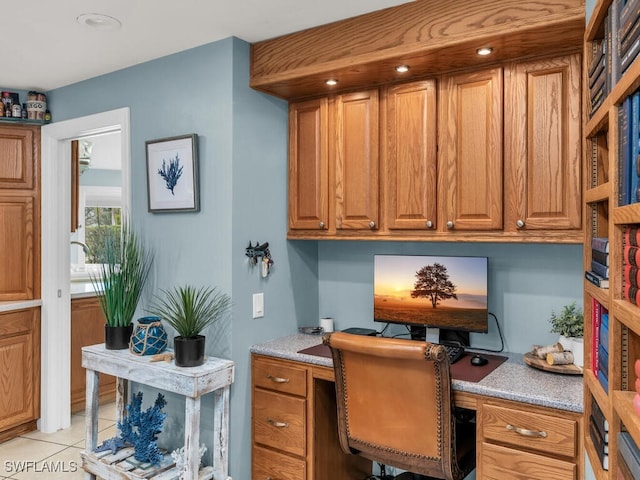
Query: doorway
[{"x": 56, "y": 272}]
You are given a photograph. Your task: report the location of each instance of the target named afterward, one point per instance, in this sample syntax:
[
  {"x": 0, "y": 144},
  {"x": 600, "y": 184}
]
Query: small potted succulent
[
  {"x": 189, "y": 310},
  {"x": 569, "y": 325}
]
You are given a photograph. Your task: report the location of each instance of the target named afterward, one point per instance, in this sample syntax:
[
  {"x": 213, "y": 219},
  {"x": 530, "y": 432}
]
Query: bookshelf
[{"x": 608, "y": 215}]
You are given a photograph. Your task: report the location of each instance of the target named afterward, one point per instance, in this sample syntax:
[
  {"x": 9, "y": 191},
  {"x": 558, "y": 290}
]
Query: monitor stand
[{"x": 444, "y": 335}]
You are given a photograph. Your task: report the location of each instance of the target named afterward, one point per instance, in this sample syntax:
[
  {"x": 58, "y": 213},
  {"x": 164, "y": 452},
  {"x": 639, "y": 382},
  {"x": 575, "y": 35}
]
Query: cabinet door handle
[
  {"x": 429, "y": 224},
  {"x": 520, "y": 224},
  {"x": 449, "y": 224},
  {"x": 277, "y": 424},
  {"x": 277, "y": 379},
  {"x": 321, "y": 224},
  {"x": 527, "y": 433},
  {"x": 372, "y": 224}
]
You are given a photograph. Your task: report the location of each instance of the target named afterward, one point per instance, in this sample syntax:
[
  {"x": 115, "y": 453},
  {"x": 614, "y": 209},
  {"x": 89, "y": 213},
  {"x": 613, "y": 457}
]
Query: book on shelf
[
  {"x": 602, "y": 258},
  {"x": 604, "y": 331},
  {"x": 603, "y": 361},
  {"x": 630, "y": 452},
  {"x": 603, "y": 436},
  {"x": 630, "y": 35},
  {"x": 628, "y": 11},
  {"x": 630, "y": 56},
  {"x": 596, "y": 315},
  {"x": 631, "y": 256},
  {"x": 631, "y": 294},
  {"x": 597, "y": 61},
  {"x": 636, "y": 403},
  {"x": 597, "y": 79},
  {"x": 598, "y": 416},
  {"x": 634, "y": 148},
  {"x": 631, "y": 275},
  {"x": 596, "y": 279},
  {"x": 603, "y": 381},
  {"x": 600, "y": 269},
  {"x": 624, "y": 165},
  {"x": 599, "y": 445},
  {"x": 632, "y": 236},
  {"x": 600, "y": 244}
]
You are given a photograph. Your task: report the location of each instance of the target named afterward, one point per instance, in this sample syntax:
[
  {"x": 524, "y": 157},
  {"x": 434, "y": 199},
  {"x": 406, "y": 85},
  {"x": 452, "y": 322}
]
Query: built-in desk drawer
[
  {"x": 533, "y": 431},
  {"x": 501, "y": 463},
  {"x": 270, "y": 465},
  {"x": 279, "y": 376},
  {"x": 279, "y": 421}
]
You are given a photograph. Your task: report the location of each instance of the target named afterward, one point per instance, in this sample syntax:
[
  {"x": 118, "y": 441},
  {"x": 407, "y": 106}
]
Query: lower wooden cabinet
[
  {"x": 294, "y": 424},
  {"x": 87, "y": 328},
  {"x": 528, "y": 442},
  {"x": 20, "y": 372}
]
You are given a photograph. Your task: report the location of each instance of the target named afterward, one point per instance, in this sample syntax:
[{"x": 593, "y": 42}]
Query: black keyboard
[{"x": 454, "y": 352}]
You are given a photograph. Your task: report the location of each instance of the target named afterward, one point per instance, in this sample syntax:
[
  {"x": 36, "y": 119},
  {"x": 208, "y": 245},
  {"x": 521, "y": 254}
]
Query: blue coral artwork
[
  {"x": 172, "y": 174},
  {"x": 141, "y": 428}
]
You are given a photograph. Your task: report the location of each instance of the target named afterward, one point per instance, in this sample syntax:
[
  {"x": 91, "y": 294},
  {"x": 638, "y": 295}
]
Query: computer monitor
[{"x": 445, "y": 292}]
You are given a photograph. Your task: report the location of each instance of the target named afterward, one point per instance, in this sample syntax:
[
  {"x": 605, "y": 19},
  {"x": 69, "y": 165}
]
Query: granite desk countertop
[{"x": 512, "y": 380}]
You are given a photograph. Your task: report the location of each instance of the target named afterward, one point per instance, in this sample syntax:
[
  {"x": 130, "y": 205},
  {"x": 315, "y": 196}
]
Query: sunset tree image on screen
[{"x": 432, "y": 281}]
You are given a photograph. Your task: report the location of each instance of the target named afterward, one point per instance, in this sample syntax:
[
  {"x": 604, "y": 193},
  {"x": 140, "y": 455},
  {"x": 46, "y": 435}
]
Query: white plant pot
[
  {"x": 566, "y": 342},
  {"x": 577, "y": 347}
]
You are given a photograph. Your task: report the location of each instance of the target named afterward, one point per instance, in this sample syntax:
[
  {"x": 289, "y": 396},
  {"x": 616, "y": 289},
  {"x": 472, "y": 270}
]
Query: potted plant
[
  {"x": 189, "y": 310},
  {"x": 124, "y": 269},
  {"x": 569, "y": 325}
]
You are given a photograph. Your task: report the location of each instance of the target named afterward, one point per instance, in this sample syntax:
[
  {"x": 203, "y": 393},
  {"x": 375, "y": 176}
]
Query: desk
[
  {"x": 215, "y": 375},
  {"x": 513, "y": 394}
]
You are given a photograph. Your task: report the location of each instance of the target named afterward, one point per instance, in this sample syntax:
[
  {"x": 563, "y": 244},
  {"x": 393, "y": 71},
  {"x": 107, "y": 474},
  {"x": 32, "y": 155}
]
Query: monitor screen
[{"x": 447, "y": 292}]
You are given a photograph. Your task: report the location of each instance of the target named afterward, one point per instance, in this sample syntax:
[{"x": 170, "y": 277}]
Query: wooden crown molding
[{"x": 430, "y": 36}]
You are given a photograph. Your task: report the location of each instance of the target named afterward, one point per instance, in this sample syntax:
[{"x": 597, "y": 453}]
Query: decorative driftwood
[
  {"x": 560, "y": 358},
  {"x": 541, "y": 352}
]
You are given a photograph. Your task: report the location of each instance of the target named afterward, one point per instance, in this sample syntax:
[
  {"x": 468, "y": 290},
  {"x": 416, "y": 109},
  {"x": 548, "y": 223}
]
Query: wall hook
[{"x": 262, "y": 253}]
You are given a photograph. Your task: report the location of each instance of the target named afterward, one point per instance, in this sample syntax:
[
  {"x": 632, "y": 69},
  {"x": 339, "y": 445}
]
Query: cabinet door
[
  {"x": 470, "y": 180},
  {"x": 19, "y": 147},
  {"x": 543, "y": 145},
  {"x": 356, "y": 157},
  {"x": 20, "y": 360},
  {"x": 411, "y": 156},
  {"x": 18, "y": 255},
  {"x": 308, "y": 165},
  {"x": 87, "y": 328}
]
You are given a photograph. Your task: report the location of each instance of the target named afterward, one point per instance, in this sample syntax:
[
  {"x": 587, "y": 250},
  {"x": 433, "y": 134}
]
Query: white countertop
[
  {"x": 82, "y": 290},
  {"x": 19, "y": 305}
]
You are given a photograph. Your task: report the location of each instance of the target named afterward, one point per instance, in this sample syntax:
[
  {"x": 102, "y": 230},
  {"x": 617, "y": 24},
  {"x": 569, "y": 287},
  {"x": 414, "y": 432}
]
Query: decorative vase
[
  {"x": 149, "y": 337},
  {"x": 189, "y": 351},
  {"x": 117, "y": 338}
]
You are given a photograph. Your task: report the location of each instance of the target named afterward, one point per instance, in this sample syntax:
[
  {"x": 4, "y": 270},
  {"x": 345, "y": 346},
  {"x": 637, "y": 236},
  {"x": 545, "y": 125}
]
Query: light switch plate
[{"x": 258, "y": 305}]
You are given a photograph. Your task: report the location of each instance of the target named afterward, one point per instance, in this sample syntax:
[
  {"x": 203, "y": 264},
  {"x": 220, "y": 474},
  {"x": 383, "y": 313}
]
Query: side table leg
[
  {"x": 221, "y": 433},
  {"x": 191, "y": 438},
  {"x": 91, "y": 415}
]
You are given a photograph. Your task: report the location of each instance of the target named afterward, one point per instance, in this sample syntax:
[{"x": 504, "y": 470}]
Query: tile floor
[{"x": 53, "y": 456}]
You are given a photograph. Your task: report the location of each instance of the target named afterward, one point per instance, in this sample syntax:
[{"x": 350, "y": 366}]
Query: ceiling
[{"x": 44, "y": 47}]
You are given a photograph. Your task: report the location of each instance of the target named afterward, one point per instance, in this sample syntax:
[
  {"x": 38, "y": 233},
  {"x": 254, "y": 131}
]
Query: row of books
[
  {"x": 629, "y": 149},
  {"x": 631, "y": 265},
  {"x": 600, "y": 343},
  {"x": 599, "y": 273},
  {"x": 629, "y": 455},
  {"x": 599, "y": 433},
  {"x": 616, "y": 51}
]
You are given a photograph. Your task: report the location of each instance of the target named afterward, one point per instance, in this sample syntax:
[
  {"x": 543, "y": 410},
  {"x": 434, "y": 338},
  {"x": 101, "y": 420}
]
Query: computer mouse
[{"x": 479, "y": 360}]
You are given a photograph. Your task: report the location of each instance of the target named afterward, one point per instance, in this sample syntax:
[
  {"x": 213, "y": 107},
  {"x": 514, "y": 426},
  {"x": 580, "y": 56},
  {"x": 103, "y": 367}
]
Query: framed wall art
[{"x": 172, "y": 174}]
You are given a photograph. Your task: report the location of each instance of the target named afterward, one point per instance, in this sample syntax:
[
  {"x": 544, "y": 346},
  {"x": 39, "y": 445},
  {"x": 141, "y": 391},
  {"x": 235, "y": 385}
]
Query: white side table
[{"x": 215, "y": 375}]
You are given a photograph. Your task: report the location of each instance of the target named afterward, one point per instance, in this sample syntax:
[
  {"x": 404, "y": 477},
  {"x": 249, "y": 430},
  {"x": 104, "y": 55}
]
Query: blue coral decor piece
[
  {"x": 149, "y": 337},
  {"x": 141, "y": 429}
]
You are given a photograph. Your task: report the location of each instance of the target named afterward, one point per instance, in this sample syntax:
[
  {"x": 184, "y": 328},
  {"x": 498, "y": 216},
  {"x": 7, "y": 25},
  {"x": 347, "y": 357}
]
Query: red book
[
  {"x": 636, "y": 367},
  {"x": 632, "y": 294},
  {"x": 596, "y": 316},
  {"x": 637, "y": 385},
  {"x": 631, "y": 255},
  {"x": 636, "y": 403},
  {"x": 632, "y": 236},
  {"x": 631, "y": 276}
]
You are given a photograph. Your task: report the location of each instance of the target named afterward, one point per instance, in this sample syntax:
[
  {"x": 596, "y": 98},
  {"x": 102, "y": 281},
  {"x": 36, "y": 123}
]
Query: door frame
[{"x": 55, "y": 396}]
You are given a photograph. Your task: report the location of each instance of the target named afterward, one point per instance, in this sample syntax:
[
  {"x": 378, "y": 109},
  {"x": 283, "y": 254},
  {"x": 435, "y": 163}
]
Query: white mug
[{"x": 327, "y": 324}]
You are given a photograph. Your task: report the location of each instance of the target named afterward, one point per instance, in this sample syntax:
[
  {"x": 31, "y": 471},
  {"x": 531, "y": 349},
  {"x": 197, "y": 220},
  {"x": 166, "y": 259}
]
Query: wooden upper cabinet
[
  {"x": 543, "y": 145},
  {"x": 470, "y": 179},
  {"x": 18, "y": 146},
  {"x": 308, "y": 165},
  {"x": 355, "y": 154},
  {"x": 411, "y": 168}
]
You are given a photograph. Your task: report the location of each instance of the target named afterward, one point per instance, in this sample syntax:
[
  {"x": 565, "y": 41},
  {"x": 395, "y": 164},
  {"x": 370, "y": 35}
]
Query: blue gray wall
[{"x": 243, "y": 193}]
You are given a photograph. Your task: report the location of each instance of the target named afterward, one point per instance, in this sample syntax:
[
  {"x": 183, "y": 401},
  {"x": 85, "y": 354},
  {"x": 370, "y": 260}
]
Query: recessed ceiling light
[
  {"x": 331, "y": 82},
  {"x": 484, "y": 51},
  {"x": 402, "y": 68},
  {"x": 99, "y": 21}
]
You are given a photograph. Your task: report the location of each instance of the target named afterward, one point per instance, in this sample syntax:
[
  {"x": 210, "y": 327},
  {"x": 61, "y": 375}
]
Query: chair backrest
[{"x": 395, "y": 404}]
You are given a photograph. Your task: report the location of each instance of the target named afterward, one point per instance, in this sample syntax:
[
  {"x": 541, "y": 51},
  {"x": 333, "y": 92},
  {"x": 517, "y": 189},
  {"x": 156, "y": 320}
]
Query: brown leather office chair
[{"x": 395, "y": 406}]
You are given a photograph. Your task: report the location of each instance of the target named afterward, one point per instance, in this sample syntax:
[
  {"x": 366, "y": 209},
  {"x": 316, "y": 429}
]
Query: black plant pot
[
  {"x": 117, "y": 338},
  {"x": 189, "y": 351}
]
